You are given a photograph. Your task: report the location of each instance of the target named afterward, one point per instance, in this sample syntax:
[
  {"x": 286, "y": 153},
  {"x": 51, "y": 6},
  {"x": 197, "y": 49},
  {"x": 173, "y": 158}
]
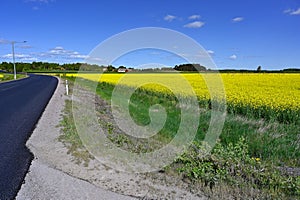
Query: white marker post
[{"x": 67, "y": 87}]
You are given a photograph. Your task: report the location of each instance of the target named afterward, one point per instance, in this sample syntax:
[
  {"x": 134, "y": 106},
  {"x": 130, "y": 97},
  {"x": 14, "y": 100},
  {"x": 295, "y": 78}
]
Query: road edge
[{"x": 43, "y": 179}]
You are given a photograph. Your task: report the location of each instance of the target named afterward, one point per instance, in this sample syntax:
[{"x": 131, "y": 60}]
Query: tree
[
  {"x": 110, "y": 68},
  {"x": 190, "y": 67},
  {"x": 258, "y": 69}
]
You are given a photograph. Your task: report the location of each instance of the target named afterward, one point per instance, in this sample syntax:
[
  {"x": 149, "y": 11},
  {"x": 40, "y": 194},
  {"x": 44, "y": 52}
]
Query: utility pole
[{"x": 13, "y": 53}]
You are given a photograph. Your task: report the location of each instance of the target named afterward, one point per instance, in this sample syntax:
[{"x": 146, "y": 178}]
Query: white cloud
[
  {"x": 16, "y": 56},
  {"x": 79, "y": 56},
  {"x": 196, "y": 24},
  {"x": 21, "y": 57},
  {"x": 57, "y": 54},
  {"x": 61, "y": 52},
  {"x": 292, "y": 12},
  {"x": 210, "y": 52},
  {"x": 233, "y": 57},
  {"x": 237, "y": 19},
  {"x": 194, "y": 17},
  {"x": 169, "y": 18},
  {"x": 58, "y": 50},
  {"x": 39, "y": 1},
  {"x": 295, "y": 12}
]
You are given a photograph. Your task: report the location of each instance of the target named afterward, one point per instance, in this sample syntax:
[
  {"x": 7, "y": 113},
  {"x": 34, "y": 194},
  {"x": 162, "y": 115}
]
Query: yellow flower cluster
[{"x": 276, "y": 91}]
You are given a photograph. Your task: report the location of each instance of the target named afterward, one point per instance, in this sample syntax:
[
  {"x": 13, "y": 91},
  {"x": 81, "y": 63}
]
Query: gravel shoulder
[{"x": 54, "y": 174}]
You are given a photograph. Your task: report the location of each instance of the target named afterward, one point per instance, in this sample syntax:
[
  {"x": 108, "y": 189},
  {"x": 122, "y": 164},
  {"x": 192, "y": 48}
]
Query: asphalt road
[{"x": 21, "y": 104}]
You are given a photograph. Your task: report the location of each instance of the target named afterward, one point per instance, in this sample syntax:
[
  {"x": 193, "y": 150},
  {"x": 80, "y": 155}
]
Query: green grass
[
  {"x": 275, "y": 142},
  {"x": 8, "y": 77},
  {"x": 70, "y": 137},
  {"x": 286, "y": 116},
  {"x": 230, "y": 167},
  {"x": 245, "y": 158}
]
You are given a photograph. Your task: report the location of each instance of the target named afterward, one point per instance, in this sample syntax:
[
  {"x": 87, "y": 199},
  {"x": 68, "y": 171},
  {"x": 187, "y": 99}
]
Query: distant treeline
[
  {"x": 45, "y": 66},
  {"x": 198, "y": 67},
  {"x": 289, "y": 70},
  {"x": 190, "y": 67},
  {"x": 50, "y": 67}
]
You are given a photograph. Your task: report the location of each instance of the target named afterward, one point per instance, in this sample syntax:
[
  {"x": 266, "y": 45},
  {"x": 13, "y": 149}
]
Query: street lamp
[{"x": 13, "y": 54}]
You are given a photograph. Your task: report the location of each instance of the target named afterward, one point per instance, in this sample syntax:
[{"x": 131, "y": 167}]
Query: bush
[{"x": 234, "y": 166}]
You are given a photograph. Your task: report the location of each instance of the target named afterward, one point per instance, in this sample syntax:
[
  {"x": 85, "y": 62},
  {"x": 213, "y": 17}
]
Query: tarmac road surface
[{"x": 22, "y": 102}]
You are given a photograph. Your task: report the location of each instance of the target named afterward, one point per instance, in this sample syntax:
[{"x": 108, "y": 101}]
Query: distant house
[
  {"x": 122, "y": 70},
  {"x": 129, "y": 69}
]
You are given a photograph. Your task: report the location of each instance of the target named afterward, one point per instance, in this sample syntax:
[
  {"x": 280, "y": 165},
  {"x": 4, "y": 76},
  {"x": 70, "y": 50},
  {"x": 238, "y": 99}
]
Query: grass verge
[
  {"x": 70, "y": 137},
  {"x": 8, "y": 77},
  {"x": 245, "y": 162}
]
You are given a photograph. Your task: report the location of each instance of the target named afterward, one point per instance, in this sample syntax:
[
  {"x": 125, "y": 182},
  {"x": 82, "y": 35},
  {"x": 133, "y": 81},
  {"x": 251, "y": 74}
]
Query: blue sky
[{"x": 236, "y": 33}]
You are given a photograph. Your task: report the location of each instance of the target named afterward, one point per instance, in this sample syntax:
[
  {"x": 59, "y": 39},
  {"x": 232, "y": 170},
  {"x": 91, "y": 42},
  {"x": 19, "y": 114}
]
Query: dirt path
[{"x": 54, "y": 173}]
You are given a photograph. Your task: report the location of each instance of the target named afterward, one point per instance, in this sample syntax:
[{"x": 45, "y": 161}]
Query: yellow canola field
[{"x": 272, "y": 90}]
